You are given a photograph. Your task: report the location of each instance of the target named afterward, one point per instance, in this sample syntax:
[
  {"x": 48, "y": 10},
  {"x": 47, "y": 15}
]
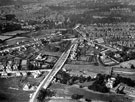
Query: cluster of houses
[
  {"x": 19, "y": 57},
  {"x": 120, "y": 10},
  {"x": 14, "y": 65},
  {"x": 122, "y": 34},
  {"x": 18, "y": 64},
  {"x": 19, "y": 47},
  {"x": 121, "y": 88},
  {"x": 74, "y": 52}
]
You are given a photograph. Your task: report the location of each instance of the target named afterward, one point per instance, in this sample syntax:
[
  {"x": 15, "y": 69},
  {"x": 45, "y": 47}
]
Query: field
[
  {"x": 67, "y": 91},
  {"x": 11, "y": 88},
  {"x": 13, "y": 41},
  {"x": 11, "y": 95},
  {"x": 87, "y": 68},
  {"x": 5, "y": 37}
]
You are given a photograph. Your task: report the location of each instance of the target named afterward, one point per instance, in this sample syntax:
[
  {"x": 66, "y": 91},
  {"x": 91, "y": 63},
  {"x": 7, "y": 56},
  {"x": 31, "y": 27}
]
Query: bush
[
  {"x": 99, "y": 88},
  {"x": 41, "y": 96},
  {"x": 81, "y": 86},
  {"x": 124, "y": 80},
  {"x": 76, "y": 96},
  {"x": 88, "y": 100},
  {"x": 44, "y": 93},
  {"x": 99, "y": 84}
]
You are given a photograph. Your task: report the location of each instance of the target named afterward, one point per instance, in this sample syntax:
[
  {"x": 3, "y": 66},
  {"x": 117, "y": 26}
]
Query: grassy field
[
  {"x": 10, "y": 95},
  {"x": 64, "y": 90},
  {"x": 91, "y": 69},
  {"x": 87, "y": 68},
  {"x": 11, "y": 88}
]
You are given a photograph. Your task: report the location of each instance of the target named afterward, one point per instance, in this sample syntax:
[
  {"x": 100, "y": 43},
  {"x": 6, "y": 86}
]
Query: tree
[
  {"x": 99, "y": 84},
  {"x": 44, "y": 93},
  {"x": 81, "y": 86},
  {"x": 124, "y": 80},
  {"x": 10, "y": 17},
  {"x": 132, "y": 66},
  {"x": 41, "y": 96},
  {"x": 76, "y": 96},
  {"x": 88, "y": 100},
  {"x": 1, "y": 41},
  {"x": 99, "y": 88},
  {"x": 82, "y": 79},
  {"x": 88, "y": 79}
]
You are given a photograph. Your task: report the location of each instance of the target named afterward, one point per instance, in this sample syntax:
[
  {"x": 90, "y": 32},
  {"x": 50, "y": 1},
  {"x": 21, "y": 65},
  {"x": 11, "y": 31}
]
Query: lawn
[
  {"x": 11, "y": 88},
  {"x": 12, "y": 95},
  {"x": 66, "y": 91},
  {"x": 87, "y": 68}
]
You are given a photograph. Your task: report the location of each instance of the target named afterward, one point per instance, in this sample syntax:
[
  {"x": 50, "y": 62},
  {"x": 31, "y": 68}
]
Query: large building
[{"x": 24, "y": 64}]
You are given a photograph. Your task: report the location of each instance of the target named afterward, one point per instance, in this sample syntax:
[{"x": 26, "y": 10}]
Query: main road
[{"x": 47, "y": 80}]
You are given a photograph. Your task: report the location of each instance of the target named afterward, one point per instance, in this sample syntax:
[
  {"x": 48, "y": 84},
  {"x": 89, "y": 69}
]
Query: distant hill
[
  {"x": 6, "y": 2},
  {"x": 13, "y": 2},
  {"x": 21, "y": 2}
]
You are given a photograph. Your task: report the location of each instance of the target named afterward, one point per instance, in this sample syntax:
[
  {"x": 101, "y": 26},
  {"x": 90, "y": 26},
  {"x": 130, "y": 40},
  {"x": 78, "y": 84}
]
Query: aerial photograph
[{"x": 67, "y": 50}]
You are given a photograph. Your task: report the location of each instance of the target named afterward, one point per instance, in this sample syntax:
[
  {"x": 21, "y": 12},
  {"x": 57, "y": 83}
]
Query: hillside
[
  {"x": 12, "y": 2},
  {"x": 82, "y": 11},
  {"x": 21, "y": 2}
]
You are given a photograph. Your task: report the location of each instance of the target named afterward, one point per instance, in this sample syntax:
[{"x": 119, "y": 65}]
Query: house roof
[{"x": 24, "y": 62}]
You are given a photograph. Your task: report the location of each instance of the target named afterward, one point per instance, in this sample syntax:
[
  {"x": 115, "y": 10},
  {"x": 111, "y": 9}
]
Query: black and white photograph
[{"x": 67, "y": 50}]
